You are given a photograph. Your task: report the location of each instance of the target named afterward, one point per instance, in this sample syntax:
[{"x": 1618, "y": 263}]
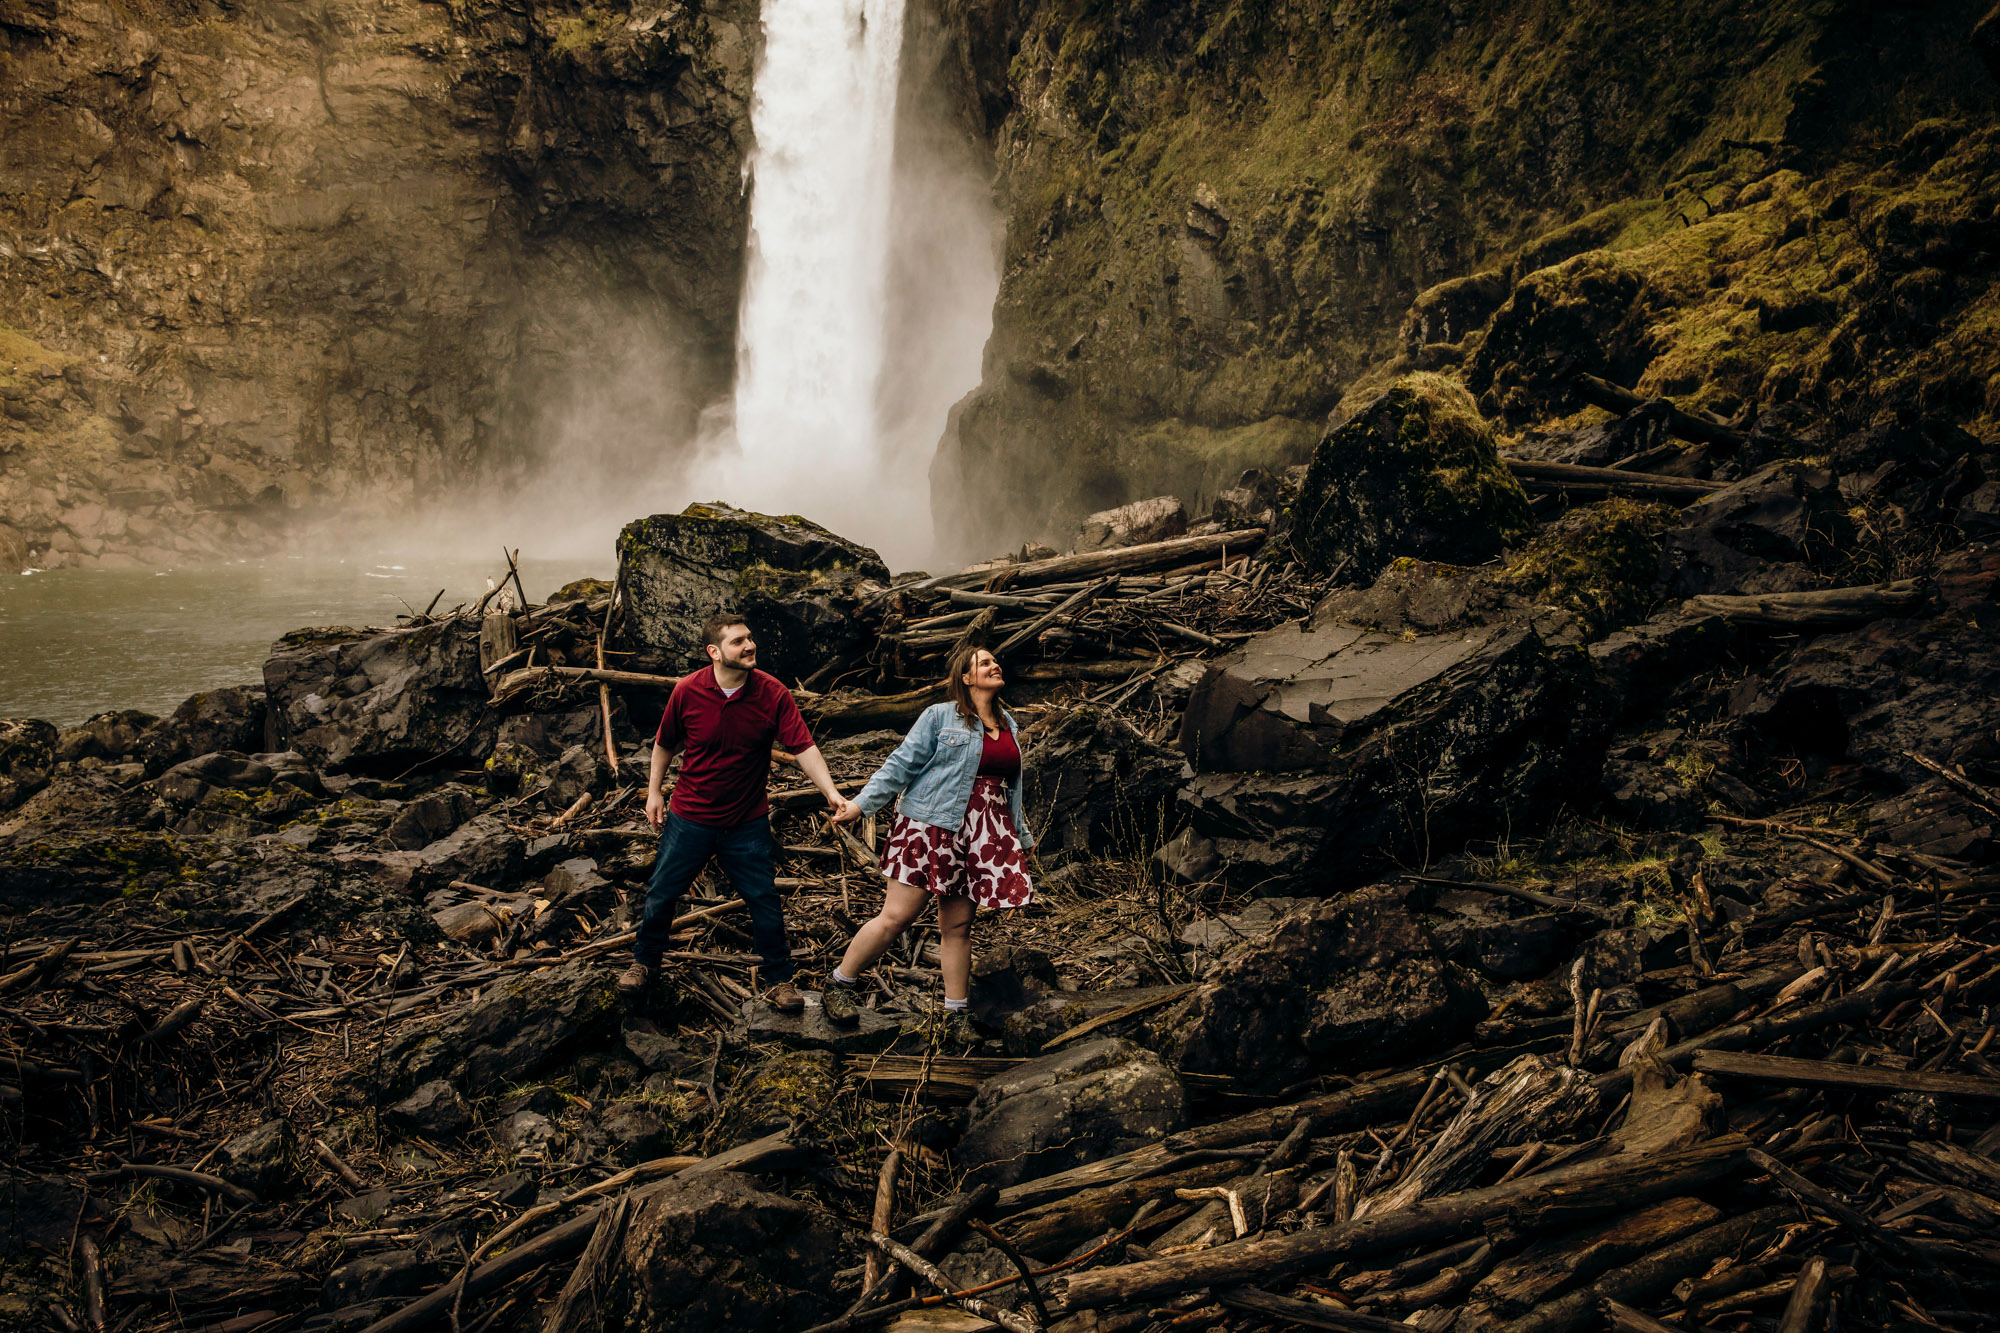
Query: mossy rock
[
  {"x": 1601, "y": 563},
  {"x": 1414, "y": 473},
  {"x": 778, "y": 1089}
]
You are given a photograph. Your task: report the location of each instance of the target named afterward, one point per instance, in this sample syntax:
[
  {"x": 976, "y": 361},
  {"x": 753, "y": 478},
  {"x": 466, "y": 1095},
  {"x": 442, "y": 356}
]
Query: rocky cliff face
[
  {"x": 265, "y": 256},
  {"x": 1224, "y": 217}
]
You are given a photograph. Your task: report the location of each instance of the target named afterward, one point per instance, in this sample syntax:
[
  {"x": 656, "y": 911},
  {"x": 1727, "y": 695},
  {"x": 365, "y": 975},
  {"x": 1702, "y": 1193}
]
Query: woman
[{"x": 959, "y": 835}]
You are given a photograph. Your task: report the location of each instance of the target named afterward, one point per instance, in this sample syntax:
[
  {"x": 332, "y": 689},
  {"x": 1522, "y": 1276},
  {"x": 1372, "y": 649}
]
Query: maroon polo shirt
[{"x": 725, "y": 745}]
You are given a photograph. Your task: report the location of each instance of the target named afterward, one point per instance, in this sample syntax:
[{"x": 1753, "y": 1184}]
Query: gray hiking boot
[{"x": 839, "y": 1003}]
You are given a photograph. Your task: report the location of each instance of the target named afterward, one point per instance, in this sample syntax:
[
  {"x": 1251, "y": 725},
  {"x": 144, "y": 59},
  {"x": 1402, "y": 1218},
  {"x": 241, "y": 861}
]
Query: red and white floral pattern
[{"x": 981, "y": 860}]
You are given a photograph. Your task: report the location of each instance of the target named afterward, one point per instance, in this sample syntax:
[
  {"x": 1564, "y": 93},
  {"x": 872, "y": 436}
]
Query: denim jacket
[{"x": 934, "y": 768}]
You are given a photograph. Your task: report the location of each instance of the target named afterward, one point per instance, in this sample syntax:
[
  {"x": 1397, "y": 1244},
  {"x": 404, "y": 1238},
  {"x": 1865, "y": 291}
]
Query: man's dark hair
[{"x": 712, "y": 628}]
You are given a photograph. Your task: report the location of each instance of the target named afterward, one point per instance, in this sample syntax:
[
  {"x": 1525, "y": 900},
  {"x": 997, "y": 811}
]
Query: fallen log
[
  {"x": 1682, "y": 425},
  {"x": 1557, "y": 1196},
  {"x": 928, "y": 1271},
  {"x": 1822, "y": 608},
  {"x": 1651, "y": 1277},
  {"x": 1117, "y": 559},
  {"x": 1824, "y": 1074},
  {"x": 1255, "y": 1300},
  {"x": 1597, "y": 483},
  {"x": 1546, "y": 1267}
]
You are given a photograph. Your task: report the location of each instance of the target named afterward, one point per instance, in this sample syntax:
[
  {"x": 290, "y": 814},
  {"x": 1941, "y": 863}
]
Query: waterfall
[
  {"x": 814, "y": 316},
  {"x": 869, "y": 284}
]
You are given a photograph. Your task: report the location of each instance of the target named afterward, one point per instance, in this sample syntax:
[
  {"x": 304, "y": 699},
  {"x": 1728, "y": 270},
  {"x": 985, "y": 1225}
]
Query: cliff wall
[
  {"x": 1220, "y": 212},
  {"x": 266, "y": 258}
]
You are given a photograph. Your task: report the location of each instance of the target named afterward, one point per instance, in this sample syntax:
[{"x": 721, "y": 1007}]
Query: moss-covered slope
[{"x": 1221, "y": 212}]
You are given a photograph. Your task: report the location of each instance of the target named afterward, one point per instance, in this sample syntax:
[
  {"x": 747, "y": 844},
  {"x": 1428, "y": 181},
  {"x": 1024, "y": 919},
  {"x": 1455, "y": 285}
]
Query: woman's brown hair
[{"x": 957, "y": 690}]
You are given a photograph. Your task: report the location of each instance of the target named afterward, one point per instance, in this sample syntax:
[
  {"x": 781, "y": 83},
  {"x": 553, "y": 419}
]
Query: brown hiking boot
[
  {"x": 839, "y": 1003},
  {"x": 785, "y": 998},
  {"x": 635, "y": 981},
  {"x": 958, "y": 1029}
]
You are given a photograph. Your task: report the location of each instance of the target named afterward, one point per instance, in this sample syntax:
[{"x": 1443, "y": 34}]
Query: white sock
[
  {"x": 955, "y": 1006},
  {"x": 842, "y": 979}
]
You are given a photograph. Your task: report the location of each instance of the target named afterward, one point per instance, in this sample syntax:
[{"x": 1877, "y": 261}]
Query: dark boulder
[
  {"x": 1090, "y": 1101},
  {"x": 514, "y": 1029},
  {"x": 483, "y": 851},
  {"x": 349, "y": 699},
  {"x": 427, "y": 818},
  {"x": 1093, "y": 784},
  {"x": 1355, "y": 978},
  {"x": 581, "y": 770},
  {"x": 1321, "y": 748},
  {"x": 796, "y": 584},
  {"x": 109, "y": 736},
  {"x": 1640, "y": 667},
  {"x": 715, "y": 1252},
  {"x": 1414, "y": 473},
  {"x": 783, "y": 1088},
  {"x": 1876, "y": 694},
  {"x": 235, "y": 718},
  {"x": 1762, "y": 534},
  {"x": 258, "y": 1159},
  {"x": 27, "y": 754},
  {"x": 432, "y": 1110}
]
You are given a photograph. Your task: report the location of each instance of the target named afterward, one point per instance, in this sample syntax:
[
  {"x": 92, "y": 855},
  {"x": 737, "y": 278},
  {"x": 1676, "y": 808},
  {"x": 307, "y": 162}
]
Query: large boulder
[
  {"x": 1878, "y": 694},
  {"x": 111, "y": 736},
  {"x": 1090, "y": 1101},
  {"x": 783, "y": 1087},
  {"x": 232, "y": 718},
  {"x": 349, "y": 699},
  {"x": 1761, "y": 534},
  {"x": 1414, "y": 473},
  {"x": 1322, "y": 747},
  {"x": 27, "y": 753},
  {"x": 795, "y": 583},
  {"x": 713, "y": 1252},
  {"x": 1154, "y": 520},
  {"x": 1355, "y": 979},
  {"x": 515, "y": 1028},
  {"x": 1094, "y": 784}
]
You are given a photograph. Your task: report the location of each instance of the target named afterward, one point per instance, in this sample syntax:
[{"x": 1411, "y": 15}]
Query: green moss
[
  {"x": 582, "y": 32},
  {"x": 1601, "y": 563}
]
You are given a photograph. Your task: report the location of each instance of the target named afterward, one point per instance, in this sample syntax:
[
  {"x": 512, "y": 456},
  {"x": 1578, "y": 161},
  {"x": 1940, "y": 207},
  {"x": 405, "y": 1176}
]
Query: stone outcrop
[
  {"x": 463, "y": 216},
  {"x": 514, "y": 1029},
  {"x": 1094, "y": 784},
  {"x": 347, "y": 698},
  {"x": 27, "y": 753},
  {"x": 1333, "y": 979},
  {"x": 1321, "y": 747},
  {"x": 797, "y": 584},
  {"x": 1414, "y": 473},
  {"x": 1090, "y": 1101}
]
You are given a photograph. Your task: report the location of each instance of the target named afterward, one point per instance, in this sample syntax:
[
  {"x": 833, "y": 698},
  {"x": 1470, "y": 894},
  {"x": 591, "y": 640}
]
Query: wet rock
[
  {"x": 637, "y": 1131},
  {"x": 581, "y": 770},
  {"x": 526, "y": 1134},
  {"x": 365, "y": 1209},
  {"x": 795, "y": 583},
  {"x": 810, "y": 1027},
  {"x": 511, "y": 1032},
  {"x": 108, "y": 736},
  {"x": 1892, "y": 687},
  {"x": 1648, "y": 791},
  {"x": 1321, "y": 747},
  {"x": 1154, "y": 520},
  {"x": 347, "y": 699},
  {"x": 716, "y": 1252},
  {"x": 1050, "y": 1014},
  {"x": 1251, "y": 503},
  {"x": 234, "y": 718},
  {"x": 1483, "y": 931},
  {"x": 186, "y": 783},
  {"x": 1211, "y": 939},
  {"x": 1187, "y": 858},
  {"x": 433, "y": 1110},
  {"x": 427, "y": 818},
  {"x": 1332, "y": 981},
  {"x": 1414, "y": 473},
  {"x": 1094, "y": 785},
  {"x": 1007, "y": 979},
  {"x": 515, "y": 1189},
  {"x": 376, "y": 1277},
  {"x": 1639, "y": 666},
  {"x": 27, "y": 754},
  {"x": 1090, "y": 1101},
  {"x": 1759, "y": 534},
  {"x": 259, "y": 1159},
  {"x": 777, "y": 1090},
  {"x": 482, "y": 851}
]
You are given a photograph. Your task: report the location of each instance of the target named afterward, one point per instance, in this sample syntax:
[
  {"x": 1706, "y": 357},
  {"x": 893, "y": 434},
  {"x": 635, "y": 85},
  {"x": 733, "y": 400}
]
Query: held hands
[
  {"x": 656, "y": 808},
  {"x": 846, "y": 812}
]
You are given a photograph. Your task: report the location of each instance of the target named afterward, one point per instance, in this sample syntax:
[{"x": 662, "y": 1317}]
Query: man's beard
[{"x": 744, "y": 661}]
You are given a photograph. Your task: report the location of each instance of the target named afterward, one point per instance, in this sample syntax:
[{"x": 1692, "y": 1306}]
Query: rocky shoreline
[{"x": 1474, "y": 894}]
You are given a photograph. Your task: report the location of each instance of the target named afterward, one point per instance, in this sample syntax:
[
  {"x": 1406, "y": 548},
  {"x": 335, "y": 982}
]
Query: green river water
[{"x": 75, "y": 642}]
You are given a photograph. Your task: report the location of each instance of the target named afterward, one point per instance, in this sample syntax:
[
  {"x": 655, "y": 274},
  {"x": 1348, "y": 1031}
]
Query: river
[{"x": 76, "y": 642}]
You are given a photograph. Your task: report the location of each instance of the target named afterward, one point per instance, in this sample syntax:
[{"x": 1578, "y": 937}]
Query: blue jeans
[{"x": 749, "y": 863}]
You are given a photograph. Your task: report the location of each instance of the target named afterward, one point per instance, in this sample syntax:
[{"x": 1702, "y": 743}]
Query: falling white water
[{"x": 813, "y": 326}]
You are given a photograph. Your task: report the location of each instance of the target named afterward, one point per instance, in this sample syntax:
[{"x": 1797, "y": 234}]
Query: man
[{"x": 725, "y": 718}]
